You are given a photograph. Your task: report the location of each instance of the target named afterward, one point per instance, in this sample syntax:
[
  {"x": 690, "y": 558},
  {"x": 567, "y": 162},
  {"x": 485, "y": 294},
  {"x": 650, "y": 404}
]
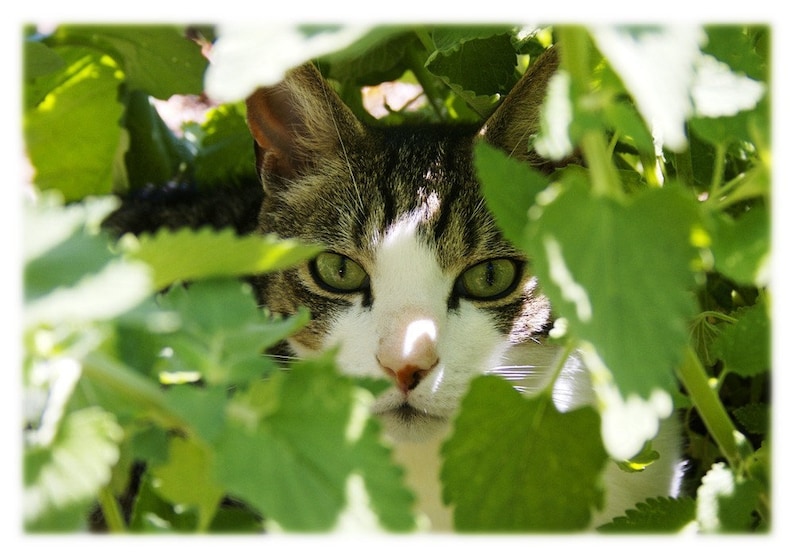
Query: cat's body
[{"x": 417, "y": 284}]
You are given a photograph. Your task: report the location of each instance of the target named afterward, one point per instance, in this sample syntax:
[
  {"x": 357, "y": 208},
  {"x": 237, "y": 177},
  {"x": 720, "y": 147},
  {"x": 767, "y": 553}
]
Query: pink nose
[{"x": 408, "y": 358}]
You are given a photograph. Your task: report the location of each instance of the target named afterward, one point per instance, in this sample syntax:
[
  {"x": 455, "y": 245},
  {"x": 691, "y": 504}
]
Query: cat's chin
[{"x": 406, "y": 423}]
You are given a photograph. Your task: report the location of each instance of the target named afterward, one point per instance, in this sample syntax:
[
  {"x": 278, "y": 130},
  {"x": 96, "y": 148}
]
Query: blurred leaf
[
  {"x": 63, "y": 477},
  {"x": 237, "y": 69},
  {"x": 222, "y": 332},
  {"x": 662, "y": 92},
  {"x": 549, "y": 481},
  {"x": 153, "y": 514},
  {"x": 732, "y": 44},
  {"x": 189, "y": 254},
  {"x": 186, "y": 479},
  {"x": 754, "y": 417},
  {"x": 70, "y": 274},
  {"x": 725, "y": 504},
  {"x": 39, "y": 60}
]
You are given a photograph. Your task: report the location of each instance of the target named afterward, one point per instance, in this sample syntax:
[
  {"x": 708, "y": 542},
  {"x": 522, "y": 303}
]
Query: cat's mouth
[
  {"x": 409, "y": 414},
  {"x": 408, "y": 423}
]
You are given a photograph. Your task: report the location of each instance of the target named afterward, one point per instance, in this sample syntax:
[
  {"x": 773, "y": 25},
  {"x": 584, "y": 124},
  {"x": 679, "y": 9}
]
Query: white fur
[{"x": 409, "y": 315}]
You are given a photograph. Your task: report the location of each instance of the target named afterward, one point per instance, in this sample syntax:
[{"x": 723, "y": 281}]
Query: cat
[{"x": 416, "y": 284}]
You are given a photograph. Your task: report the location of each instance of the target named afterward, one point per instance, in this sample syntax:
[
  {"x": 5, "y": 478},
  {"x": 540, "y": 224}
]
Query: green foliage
[
  {"x": 550, "y": 482},
  {"x": 655, "y": 255}
]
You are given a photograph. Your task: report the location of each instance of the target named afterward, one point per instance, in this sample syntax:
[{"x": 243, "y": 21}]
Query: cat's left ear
[
  {"x": 299, "y": 124},
  {"x": 518, "y": 117}
]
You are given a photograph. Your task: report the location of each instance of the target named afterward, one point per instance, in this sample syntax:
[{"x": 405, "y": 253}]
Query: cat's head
[{"x": 417, "y": 283}]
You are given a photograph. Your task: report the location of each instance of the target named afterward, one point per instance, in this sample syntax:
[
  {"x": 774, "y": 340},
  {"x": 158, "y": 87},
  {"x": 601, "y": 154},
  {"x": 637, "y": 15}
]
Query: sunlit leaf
[
  {"x": 62, "y": 479},
  {"x": 157, "y": 59},
  {"x": 73, "y": 135}
]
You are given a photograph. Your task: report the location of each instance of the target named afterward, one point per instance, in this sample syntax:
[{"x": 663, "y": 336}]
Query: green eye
[
  {"x": 489, "y": 280},
  {"x": 338, "y": 273}
]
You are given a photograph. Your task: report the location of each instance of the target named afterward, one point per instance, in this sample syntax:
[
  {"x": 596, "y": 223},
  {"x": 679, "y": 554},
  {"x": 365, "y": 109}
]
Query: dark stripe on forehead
[{"x": 446, "y": 214}]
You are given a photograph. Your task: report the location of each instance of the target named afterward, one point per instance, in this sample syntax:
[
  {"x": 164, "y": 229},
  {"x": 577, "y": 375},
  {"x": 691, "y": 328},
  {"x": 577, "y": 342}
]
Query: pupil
[
  {"x": 489, "y": 273},
  {"x": 342, "y": 269}
]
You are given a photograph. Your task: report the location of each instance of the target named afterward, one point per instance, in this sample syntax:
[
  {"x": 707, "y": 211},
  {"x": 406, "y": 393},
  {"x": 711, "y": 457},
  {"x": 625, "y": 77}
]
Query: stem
[
  {"x": 575, "y": 56},
  {"x": 707, "y": 403},
  {"x": 134, "y": 388},
  {"x": 425, "y": 79},
  {"x": 719, "y": 169},
  {"x": 683, "y": 168},
  {"x": 562, "y": 358},
  {"x": 111, "y": 511}
]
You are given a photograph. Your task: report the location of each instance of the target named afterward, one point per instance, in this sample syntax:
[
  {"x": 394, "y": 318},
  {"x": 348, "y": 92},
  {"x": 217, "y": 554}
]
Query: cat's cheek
[{"x": 351, "y": 336}]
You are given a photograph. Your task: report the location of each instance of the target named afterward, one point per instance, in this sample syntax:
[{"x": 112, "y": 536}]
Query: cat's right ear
[
  {"x": 298, "y": 123},
  {"x": 517, "y": 120}
]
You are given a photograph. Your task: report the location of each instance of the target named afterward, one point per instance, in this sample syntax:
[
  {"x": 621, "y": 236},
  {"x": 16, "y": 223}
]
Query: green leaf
[
  {"x": 63, "y": 477},
  {"x": 296, "y": 430},
  {"x": 189, "y": 254},
  {"x": 655, "y": 515},
  {"x": 39, "y": 60},
  {"x": 509, "y": 187},
  {"x": 222, "y": 332},
  {"x": 744, "y": 346},
  {"x": 732, "y": 44},
  {"x": 70, "y": 274},
  {"x": 449, "y": 39},
  {"x": 73, "y": 135},
  {"x": 153, "y": 514},
  {"x": 380, "y": 55},
  {"x": 203, "y": 408},
  {"x": 224, "y": 153},
  {"x": 754, "y": 417},
  {"x": 156, "y": 155},
  {"x": 514, "y": 464},
  {"x": 742, "y": 246},
  {"x": 477, "y": 69},
  {"x": 157, "y": 59},
  {"x": 186, "y": 479},
  {"x": 388, "y": 498},
  {"x": 621, "y": 278}
]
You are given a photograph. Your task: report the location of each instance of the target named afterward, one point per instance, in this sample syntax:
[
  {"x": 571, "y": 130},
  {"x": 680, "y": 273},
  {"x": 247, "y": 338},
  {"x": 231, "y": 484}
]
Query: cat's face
[{"x": 417, "y": 284}]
